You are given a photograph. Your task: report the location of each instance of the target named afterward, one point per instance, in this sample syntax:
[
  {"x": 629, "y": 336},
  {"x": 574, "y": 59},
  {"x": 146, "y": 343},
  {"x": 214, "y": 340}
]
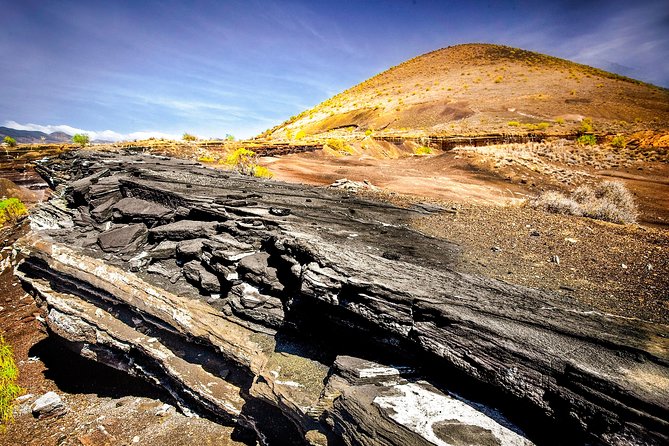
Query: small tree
[
  {"x": 10, "y": 141},
  {"x": 81, "y": 138},
  {"x": 229, "y": 137},
  {"x": 189, "y": 137}
]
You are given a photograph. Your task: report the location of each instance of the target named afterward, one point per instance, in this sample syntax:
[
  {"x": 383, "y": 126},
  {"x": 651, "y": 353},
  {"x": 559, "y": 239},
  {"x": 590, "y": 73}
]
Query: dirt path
[{"x": 442, "y": 178}]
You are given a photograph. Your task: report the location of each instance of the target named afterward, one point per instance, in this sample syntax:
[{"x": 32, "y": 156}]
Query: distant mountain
[
  {"x": 481, "y": 89},
  {"x": 34, "y": 137}
]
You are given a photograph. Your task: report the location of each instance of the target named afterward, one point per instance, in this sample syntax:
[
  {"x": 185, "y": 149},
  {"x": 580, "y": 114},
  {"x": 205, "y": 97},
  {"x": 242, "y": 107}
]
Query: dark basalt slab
[
  {"x": 299, "y": 300},
  {"x": 119, "y": 238}
]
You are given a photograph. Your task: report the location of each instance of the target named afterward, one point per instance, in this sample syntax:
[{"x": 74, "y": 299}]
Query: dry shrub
[
  {"x": 608, "y": 201},
  {"x": 557, "y": 203}
]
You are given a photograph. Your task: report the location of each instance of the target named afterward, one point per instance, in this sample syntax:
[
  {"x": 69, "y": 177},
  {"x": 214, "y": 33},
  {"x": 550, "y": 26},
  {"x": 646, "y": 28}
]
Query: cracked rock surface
[{"x": 247, "y": 299}]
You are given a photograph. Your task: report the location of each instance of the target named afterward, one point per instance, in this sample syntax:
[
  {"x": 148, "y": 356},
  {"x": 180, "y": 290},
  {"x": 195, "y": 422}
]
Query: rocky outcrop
[{"x": 329, "y": 322}]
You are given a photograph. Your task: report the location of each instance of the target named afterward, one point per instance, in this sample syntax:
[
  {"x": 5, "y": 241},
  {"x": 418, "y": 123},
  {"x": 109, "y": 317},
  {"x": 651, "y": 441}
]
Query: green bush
[
  {"x": 11, "y": 209},
  {"x": 81, "y": 138},
  {"x": 188, "y": 137},
  {"x": 608, "y": 201},
  {"x": 9, "y": 390},
  {"x": 10, "y": 141},
  {"x": 619, "y": 142},
  {"x": 586, "y": 126},
  {"x": 422, "y": 150},
  {"x": 587, "y": 140}
]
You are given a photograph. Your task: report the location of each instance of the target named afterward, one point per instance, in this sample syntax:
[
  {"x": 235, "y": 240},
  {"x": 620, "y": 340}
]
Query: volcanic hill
[{"x": 475, "y": 89}]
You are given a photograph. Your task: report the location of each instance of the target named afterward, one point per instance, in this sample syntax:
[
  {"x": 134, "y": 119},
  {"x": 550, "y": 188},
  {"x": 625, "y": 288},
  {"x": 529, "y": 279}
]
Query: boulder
[
  {"x": 134, "y": 210},
  {"x": 118, "y": 238},
  {"x": 103, "y": 211},
  {"x": 256, "y": 269},
  {"x": 48, "y": 405},
  {"x": 247, "y": 302},
  {"x": 190, "y": 249},
  {"x": 198, "y": 274},
  {"x": 166, "y": 249}
]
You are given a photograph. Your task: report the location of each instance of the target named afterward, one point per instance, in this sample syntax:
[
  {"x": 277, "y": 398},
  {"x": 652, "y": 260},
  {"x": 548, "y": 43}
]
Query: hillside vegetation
[{"x": 481, "y": 89}]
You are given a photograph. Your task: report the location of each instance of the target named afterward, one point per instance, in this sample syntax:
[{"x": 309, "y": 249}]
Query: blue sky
[{"x": 130, "y": 69}]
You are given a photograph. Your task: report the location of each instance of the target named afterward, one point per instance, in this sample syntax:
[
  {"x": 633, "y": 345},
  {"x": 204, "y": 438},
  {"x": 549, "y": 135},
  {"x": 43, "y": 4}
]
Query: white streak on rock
[{"x": 418, "y": 408}]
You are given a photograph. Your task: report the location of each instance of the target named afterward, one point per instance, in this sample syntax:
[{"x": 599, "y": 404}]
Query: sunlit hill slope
[{"x": 483, "y": 89}]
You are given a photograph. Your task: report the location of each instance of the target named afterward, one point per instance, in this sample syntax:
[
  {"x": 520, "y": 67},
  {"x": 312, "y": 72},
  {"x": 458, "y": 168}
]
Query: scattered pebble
[
  {"x": 25, "y": 397},
  {"x": 555, "y": 259},
  {"x": 571, "y": 240}
]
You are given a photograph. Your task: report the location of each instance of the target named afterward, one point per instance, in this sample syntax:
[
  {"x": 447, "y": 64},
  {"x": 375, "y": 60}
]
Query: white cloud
[{"x": 107, "y": 135}]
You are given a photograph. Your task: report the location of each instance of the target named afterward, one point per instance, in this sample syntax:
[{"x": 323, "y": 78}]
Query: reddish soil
[{"x": 439, "y": 177}]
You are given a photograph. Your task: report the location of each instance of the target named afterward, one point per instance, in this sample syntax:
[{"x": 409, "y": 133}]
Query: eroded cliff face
[{"x": 314, "y": 317}]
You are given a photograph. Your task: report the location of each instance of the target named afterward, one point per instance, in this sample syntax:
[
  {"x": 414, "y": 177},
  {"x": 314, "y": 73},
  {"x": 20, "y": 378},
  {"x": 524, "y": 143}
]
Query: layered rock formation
[{"x": 314, "y": 317}]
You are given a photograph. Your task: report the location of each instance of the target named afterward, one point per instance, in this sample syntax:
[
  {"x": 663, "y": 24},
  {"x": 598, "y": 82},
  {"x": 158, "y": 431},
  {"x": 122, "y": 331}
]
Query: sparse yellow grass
[
  {"x": 422, "y": 150},
  {"x": 9, "y": 390},
  {"x": 339, "y": 145}
]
